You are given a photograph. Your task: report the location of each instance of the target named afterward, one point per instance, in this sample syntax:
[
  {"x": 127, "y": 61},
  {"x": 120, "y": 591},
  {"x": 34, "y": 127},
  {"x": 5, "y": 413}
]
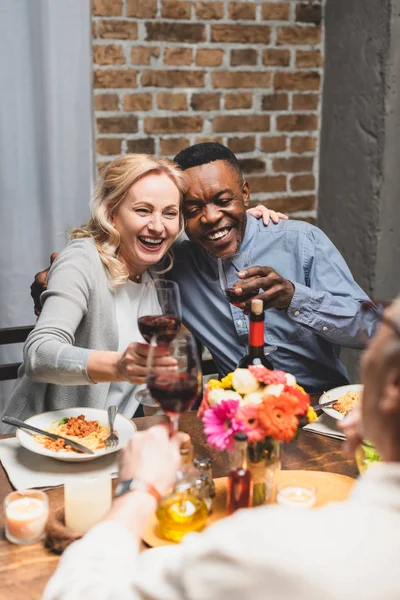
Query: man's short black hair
[{"x": 204, "y": 153}]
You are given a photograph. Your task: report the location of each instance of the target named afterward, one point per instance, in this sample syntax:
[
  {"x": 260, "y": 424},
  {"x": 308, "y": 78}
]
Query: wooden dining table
[{"x": 25, "y": 570}]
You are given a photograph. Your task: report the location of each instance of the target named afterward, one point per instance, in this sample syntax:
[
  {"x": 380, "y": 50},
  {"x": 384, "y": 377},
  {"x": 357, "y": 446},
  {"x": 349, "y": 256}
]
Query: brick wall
[{"x": 169, "y": 73}]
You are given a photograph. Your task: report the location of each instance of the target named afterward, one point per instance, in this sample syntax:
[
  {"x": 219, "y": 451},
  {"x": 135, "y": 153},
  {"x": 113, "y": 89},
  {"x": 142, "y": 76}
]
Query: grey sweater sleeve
[{"x": 50, "y": 355}]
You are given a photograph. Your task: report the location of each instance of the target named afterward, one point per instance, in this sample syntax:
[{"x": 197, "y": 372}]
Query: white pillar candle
[
  {"x": 86, "y": 501},
  {"x": 296, "y": 496},
  {"x": 26, "y": 515}
]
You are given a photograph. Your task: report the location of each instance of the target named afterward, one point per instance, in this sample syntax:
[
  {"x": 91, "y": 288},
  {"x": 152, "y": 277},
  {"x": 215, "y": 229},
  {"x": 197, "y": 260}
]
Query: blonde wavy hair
[{"x": 115, "y": 181}]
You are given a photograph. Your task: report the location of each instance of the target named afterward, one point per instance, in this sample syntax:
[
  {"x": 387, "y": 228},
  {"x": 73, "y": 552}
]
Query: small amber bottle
[{"x": 240, "y": 484}]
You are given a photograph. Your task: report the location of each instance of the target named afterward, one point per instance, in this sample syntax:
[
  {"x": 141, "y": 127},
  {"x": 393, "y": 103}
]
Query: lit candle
[
  {"x": 86, "y": 501},
  {"x": 296, "y": 496},
  {"x": 26, "y": 516}
]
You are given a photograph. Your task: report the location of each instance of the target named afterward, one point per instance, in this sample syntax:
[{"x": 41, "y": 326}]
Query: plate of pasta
[
  {"x": 347, "y": 396},
  {"x": 87, "y": 426}
]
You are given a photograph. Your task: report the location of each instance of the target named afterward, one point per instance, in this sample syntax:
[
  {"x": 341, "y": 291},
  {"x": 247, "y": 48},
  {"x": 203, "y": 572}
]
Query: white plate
[
  {"x": 124, "y": 427},
  {"x": 335, "y": 394}
]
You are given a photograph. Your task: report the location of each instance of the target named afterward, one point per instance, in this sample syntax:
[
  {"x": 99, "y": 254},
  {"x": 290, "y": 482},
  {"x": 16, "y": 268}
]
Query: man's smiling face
[{"x": 215, "y": 207}]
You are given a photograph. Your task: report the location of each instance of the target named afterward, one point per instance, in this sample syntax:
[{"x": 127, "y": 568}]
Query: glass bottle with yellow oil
[{"x": 184, "y": 510}]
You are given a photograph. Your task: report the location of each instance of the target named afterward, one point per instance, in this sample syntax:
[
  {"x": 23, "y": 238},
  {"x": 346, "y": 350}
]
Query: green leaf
[{"x": 63, "y": 421}]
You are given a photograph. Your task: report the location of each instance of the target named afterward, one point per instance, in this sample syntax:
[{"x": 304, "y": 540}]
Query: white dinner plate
[
  {"x": 123, "y": 426},
  {"x": 335, "y": 394}
]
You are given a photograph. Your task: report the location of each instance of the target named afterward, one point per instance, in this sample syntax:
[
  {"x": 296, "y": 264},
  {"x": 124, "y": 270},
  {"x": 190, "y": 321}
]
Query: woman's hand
[
  {"x": 132, "y": 364},
  {"x": 262, "y": 212}
]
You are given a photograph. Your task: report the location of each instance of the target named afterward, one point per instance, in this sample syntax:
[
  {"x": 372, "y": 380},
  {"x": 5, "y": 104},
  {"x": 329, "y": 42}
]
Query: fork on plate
[{"x": 112, "y": 440}]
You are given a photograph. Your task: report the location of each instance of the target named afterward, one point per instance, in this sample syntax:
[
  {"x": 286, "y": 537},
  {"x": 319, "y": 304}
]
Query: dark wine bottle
[{"x": 255, "y": 355}]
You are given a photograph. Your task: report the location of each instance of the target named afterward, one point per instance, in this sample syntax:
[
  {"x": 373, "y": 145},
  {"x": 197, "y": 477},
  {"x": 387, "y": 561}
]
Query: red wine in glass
[
  {"x": 175, "y": 392},
  {"x": 175, "y": 389},
  {"x": 228, "y": 269},
  {"x": 164, "y": 326},
  {"x": 159, "y": 312},
  {"x": 234, "y": 298}
]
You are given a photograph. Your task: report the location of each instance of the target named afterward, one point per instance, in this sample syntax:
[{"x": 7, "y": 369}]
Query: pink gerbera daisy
[
  {"x": 264, "y": 375},
  {"x": 221, "y": 423},
  {"x": 248, "y": 413}
]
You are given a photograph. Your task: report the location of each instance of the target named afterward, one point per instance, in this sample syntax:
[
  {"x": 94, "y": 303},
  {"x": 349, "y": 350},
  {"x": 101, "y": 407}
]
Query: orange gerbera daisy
[
  {"x": 302, "y": 397},
  {"x": 277, "y": 416}
]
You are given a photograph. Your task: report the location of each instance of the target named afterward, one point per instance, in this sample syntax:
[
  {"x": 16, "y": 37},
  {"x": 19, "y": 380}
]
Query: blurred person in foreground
[
  {"x": 313, "y": 302},
  {"x": 343, "y": 551}
]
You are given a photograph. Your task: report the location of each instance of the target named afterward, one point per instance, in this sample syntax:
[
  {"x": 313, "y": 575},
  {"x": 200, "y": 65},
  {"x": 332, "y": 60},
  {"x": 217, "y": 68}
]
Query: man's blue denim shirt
[{"x": 324, "y": 313}]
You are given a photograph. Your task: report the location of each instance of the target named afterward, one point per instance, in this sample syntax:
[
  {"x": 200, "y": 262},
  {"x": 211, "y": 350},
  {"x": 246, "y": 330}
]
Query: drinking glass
[
  {"x": 175, "y": 390},
  {"x": 228, "y": 269},
  {"x": 162, "y": 318}
]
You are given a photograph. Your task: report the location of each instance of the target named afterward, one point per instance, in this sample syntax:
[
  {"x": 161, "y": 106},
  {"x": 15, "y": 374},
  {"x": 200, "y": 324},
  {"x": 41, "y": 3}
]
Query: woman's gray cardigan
[{"x": 78, "y": 316}]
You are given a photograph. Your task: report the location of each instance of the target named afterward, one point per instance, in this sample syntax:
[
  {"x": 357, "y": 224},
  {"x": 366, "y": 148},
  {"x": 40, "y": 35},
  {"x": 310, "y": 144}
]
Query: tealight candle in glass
[
  {"x": 26, "y": 514},
  {"x": 296, "y": 495}
]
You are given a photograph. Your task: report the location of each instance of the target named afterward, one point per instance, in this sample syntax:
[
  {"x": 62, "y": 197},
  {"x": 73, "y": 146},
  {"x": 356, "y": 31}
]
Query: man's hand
[
  {"x": 132, "y": 365},
  {"x": 278, "y": 292},
  {"x": 151, "y": 456},
  {"x": 352, "y": 427},
  {"x": 40, "y": 284},
  {"x": 262, "y": 212}
]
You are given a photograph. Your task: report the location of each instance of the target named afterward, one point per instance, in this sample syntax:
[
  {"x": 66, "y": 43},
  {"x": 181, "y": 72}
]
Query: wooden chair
[
  {"x": 17, "y": 335},
  {"x": 12, "y": 335}
]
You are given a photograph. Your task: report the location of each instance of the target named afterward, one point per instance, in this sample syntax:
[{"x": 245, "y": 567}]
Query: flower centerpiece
[{"x": 267, "y": 405}]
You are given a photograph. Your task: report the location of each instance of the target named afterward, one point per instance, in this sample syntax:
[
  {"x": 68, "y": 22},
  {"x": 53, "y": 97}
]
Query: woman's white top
[{"x": 127, "y": 298}]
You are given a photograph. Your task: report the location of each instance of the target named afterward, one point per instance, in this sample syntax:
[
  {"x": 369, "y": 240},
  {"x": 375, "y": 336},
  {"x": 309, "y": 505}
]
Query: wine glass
[
  {"x": 228, "y": 269},
  {"x": 177, "y": 389},
  {"x": 160, "y": 313}
]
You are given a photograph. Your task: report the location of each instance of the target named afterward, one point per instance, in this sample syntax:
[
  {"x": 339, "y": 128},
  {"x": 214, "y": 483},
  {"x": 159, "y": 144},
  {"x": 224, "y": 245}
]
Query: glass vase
[{"x": 264, "y": 463}]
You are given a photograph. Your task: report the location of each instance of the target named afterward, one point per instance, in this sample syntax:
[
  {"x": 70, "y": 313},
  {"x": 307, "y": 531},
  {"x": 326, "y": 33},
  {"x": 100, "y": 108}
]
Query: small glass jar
[
  {"x": 26, "y": 515},
  {"x": 204, "y": 465}
]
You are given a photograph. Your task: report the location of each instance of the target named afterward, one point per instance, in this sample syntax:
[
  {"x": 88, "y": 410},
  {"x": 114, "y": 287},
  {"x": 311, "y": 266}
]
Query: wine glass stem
[{"x": 175, "y": 423}]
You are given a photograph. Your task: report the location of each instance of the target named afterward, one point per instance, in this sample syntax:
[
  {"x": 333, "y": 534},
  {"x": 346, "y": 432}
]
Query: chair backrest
[{"x": 12, "y": 335}]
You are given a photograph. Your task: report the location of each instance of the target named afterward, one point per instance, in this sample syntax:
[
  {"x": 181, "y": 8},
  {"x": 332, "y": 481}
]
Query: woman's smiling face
[{"x": 148, "y": 221}]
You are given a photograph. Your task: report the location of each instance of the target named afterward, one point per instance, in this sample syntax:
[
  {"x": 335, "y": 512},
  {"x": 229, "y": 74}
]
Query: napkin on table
[
  {"x": 26, "y": 469},
  {"x": 326, "y": 425}
]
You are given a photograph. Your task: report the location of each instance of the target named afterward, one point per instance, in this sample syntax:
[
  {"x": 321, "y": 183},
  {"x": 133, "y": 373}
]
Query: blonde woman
[{"x": 90, "y": 305}]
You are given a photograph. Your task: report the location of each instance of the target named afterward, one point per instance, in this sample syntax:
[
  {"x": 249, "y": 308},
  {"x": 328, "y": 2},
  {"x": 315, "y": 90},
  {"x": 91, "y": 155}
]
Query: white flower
[
  {"x": 216, "y": 396},
  {"x": 275, "y": 389},
  {"x": 253, "y": 398},
  {"x": 290, "y": 379},
  {"x": 244, "y": 382}
]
